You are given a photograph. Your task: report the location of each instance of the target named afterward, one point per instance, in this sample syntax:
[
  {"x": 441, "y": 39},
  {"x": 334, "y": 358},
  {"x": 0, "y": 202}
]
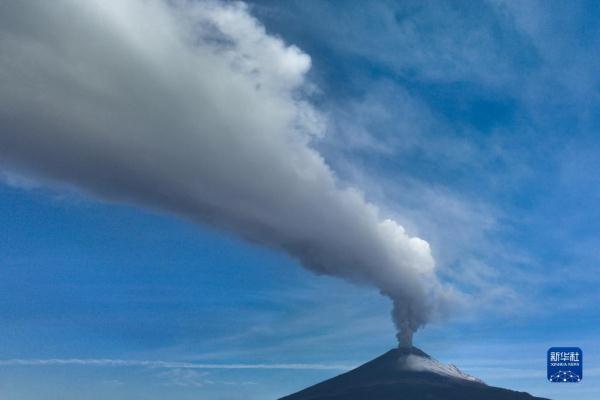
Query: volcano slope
[{"x": 406, "y": 374}]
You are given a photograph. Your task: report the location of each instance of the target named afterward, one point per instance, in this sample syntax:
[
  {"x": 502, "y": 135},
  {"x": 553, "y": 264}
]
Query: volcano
[{"x": 406, "y": 373}]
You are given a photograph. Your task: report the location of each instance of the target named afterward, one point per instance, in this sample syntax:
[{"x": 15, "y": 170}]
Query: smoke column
[{"x": 192, "y": 108}]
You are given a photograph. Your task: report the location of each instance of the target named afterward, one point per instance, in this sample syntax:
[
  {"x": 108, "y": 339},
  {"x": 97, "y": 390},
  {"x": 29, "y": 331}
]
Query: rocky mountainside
[{"x": 406, "y": 374}]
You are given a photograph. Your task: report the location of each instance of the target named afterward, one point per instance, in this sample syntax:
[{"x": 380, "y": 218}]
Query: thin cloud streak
[{"x": 105, "y": 362}]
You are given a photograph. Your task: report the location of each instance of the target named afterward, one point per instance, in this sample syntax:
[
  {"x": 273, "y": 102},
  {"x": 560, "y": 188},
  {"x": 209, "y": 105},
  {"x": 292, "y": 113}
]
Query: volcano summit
[{"x": 406, "y": 373}]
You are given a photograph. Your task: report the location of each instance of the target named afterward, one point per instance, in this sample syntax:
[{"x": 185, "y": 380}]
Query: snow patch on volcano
[{"x": 425, "y": 364}]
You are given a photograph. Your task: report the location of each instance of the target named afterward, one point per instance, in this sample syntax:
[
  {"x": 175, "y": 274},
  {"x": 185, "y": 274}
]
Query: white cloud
[
  {"x": 194, "y": 109},
  {"x": 104, "y": 362}
]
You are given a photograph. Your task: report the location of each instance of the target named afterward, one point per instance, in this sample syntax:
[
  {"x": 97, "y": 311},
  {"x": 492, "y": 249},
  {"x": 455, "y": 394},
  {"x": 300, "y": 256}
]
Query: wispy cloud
[
  {"x": 106, "y": 362},
  {"x": 191, "y": 378}
]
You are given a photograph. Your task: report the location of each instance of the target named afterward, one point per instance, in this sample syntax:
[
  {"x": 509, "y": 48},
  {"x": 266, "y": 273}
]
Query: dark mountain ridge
[{"x": 406, "y": 374}]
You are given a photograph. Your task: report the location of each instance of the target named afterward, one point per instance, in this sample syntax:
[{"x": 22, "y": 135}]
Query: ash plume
[{"x": 192, "y": 108}]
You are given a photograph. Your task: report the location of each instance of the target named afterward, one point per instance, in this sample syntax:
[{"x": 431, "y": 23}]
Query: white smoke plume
[{"x": 193, "y": 108}]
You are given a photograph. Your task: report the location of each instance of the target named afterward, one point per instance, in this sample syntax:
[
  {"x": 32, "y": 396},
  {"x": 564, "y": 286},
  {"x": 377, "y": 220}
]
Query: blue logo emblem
[{"x": 565, "y": 364}]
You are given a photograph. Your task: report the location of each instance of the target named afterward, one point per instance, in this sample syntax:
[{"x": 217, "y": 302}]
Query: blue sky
[{"x": 472, "y": 124}]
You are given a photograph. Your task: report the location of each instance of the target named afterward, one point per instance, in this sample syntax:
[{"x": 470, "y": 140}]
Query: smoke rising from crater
[{"x": 194, "y": 109}]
